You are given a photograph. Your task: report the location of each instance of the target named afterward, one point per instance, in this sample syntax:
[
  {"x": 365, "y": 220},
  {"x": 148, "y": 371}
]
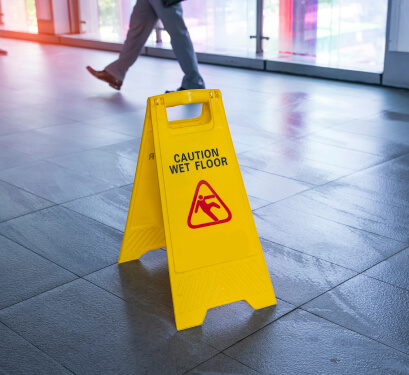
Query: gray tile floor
[{"x": 326, "y": 168}]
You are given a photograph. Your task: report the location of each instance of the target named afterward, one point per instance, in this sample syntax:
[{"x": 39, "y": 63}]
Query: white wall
[
  {"x": 399, "y": 31},
  {"x": 396, "y": 71}
]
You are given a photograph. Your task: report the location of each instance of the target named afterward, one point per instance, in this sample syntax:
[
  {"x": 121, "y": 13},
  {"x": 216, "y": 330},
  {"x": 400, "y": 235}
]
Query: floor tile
[
  {"x": 297, "y": 277},
  {"x": 18, "y": 356},
  {"x": 374, "y": 186},
  {"x": 227, "y": 324},
  {"x": 29, "y": 96},
  {"x": 16, "y": 202},
  {"x": 74, "y": 242},
  {"x": 372, "y": 216},
  {"x": 8, "y": 127},
  {"x": 369, "y": 307},
  {"x": 301, "y": 343},
  {"x": 291, "y": 134},
  {"x": 86, "y": 135},
  {"x": 39, "y": 146},
  {"x": 359, "y": 142},
  {"x": 128, "y": 187},
  {"x": 256, "y": 203},
  {"x": 100, "y": 165},
  {"x": 145, "y": 283},
  {"x": 256, "y": 101},
  {"x": 337, "y": 243},
  {"x": 10, "y": 158},
  {"x": 395, "y": 105},
  {"x": 391, "y": 130},
  {"x": 220, "y": 365},
  {"x": 127, "y": 149},
  {"x": 300, "y": 148},
  {"x": 136, "y": 343},
  {"x": 393, "y": 270},
  {"x": 285, "y": 123},
  {"x": 24, "y": 274},
  {"x": 88, "y": 108},
  {"x": 395, "y": 169},
  {"x": 299, "y": 168},
  {"x": 52, "y": 182},
  {"x": 268, "y": 186},
  {"x": 33, "y": 118},
  {"x": 355, "y": 107},
  {"x": 252, "y": 137},
  {"x": 129, "y": 123},
  {"x": 182, "y": 112},
  {"x": 110, "y": 207},
  {"x": 241, "y": 147}
]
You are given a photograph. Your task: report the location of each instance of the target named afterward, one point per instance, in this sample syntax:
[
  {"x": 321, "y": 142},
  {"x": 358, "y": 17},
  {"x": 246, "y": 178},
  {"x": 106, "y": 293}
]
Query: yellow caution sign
[{"x": 189, "y": 196}]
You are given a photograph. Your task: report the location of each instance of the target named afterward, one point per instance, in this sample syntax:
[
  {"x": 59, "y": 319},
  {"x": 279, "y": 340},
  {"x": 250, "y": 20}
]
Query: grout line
[
  {"x": 259, "y": 329},
  {"x": 40, "y": 255},
  {"x": 27, "y": 214},
  {"x": 278, "y": 175},
  {"x": 39, "y": 294},
  {"x": 91, "y": 218},
  {"x": 35, "y": 346},
  {"x": 213, "y": 356},
  {"x": 322, "y": 259},
  {"x": 352, "y": 277},
  {"x": 22, "y": 189},
  {"x": 336, "y": 222},
  {"x": 307, "y": 255},
  {"x": 358, "y": 333},
  {"x": 386, "y": 282},
  {"x": 146, "y": 311},
  {"x": 85, "y": 174},
  {"x": 221, "y": 352}
]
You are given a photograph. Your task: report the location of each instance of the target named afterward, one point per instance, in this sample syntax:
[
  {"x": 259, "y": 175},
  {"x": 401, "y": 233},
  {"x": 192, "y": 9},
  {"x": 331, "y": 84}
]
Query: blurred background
[{"x": 346, "y": 34}]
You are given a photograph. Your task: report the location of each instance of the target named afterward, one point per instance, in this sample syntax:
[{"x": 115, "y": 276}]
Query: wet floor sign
[{"x": 189, "y": 196}]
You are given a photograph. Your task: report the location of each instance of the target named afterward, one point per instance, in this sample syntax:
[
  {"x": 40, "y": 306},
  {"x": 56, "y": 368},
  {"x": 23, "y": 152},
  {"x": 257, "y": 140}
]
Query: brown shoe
[{"x": 103, "y": 75}]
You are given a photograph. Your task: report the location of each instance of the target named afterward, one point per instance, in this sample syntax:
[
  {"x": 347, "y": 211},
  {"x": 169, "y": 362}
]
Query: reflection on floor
[{"x": 326, "y": 168}]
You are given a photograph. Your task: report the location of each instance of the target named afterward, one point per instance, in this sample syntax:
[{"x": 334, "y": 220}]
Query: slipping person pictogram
[
  {"x": 201, "y": 214},
  {"x": 207, "y": 207}
]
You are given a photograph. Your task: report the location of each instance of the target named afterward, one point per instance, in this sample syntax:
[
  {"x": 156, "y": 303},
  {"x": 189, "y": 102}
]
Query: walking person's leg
[
  {"x": 172, "y": 19},
  {"x": 141, "y": 24},
  {"x": 142, "y": 21}
]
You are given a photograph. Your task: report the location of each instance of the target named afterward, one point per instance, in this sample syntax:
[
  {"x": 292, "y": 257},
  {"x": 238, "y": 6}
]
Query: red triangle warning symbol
[{"x": 207, "y": 208}]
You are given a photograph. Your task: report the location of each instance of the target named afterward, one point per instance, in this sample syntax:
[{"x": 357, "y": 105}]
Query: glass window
[
  {"x": 219, "y": 26},
  {"x": 346, "y": 34},
  {"x": 19, "y": 15},
  {"x": 222, "y": 26},
  {"x": 108, "y": 17},
  {"x": 106, "y": 20}
]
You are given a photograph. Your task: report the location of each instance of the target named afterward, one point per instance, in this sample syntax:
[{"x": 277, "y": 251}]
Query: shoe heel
[{"x": 114, "y": 86}]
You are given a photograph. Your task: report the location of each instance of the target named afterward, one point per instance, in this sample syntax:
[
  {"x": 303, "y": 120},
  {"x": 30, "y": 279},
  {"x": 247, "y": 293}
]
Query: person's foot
[
  {"x": 103, "y": 75},
  {"x": 3, "y": 52},
  {"x": 179, "y": 89}
]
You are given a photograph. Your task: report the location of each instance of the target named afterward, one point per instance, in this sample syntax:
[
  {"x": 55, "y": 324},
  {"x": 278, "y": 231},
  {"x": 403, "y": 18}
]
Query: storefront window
[
  {"x": 221, "y": 26},
  {"x": 19, "y": 15},
  {"x": 347, "y": 34}
]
